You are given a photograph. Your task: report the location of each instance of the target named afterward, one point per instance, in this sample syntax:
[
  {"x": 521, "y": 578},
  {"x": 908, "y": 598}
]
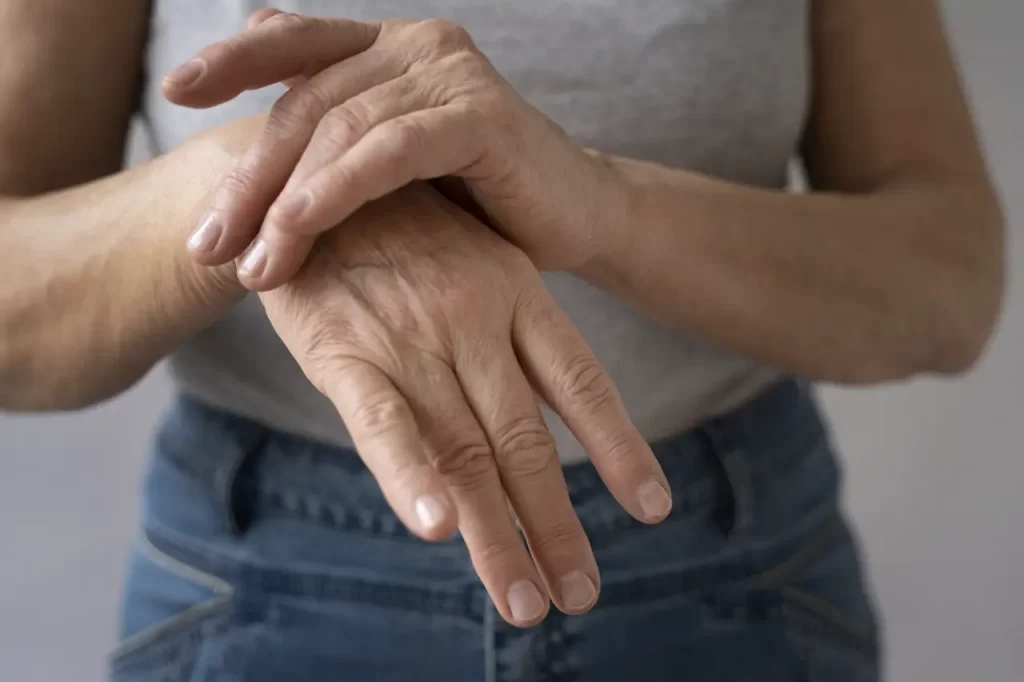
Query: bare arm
[
  {"x": 97, "y": 285},
  {"x": 893, "y": 266}
]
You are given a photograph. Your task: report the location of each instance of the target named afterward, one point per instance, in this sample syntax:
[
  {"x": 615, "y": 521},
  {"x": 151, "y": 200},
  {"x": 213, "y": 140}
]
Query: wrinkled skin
[{"x": 433, "y": 336}]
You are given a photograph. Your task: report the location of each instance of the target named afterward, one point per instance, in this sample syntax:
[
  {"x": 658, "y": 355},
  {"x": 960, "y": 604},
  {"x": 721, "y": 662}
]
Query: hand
[
  {"x": 429, "y": 333},
  {"x": 372, "y": 107}
]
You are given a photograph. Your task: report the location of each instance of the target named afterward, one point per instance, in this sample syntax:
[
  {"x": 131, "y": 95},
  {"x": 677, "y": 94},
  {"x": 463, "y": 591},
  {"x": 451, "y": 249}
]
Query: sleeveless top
[{"x": 716, "y": 86}]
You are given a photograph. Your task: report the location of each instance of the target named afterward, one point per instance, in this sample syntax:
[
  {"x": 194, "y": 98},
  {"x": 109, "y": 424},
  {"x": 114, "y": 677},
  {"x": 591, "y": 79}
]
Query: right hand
[{"x": 430, "y": 333}]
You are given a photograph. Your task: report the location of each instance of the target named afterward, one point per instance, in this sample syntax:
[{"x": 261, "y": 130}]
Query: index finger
[
  {"x": 575, "y": 385},
  {"x": 385, "y": 434},
  {"x": 283, "y": 46}
]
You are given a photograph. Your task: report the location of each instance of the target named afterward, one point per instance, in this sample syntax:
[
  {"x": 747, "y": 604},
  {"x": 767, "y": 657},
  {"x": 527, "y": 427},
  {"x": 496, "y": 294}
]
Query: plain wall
[{"x": 935, "y": 472}]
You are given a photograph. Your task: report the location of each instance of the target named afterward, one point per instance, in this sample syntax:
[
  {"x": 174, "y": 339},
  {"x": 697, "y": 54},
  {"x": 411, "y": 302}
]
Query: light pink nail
[
  {"x": 255, "y": 262},
  {"x": 206, "y": 236},
  {"x": 430, "y": 511},
  {"x": 655, "y": 502},
  {"x": 188, "y": 73},
  {"x": 525, "y": 601}
]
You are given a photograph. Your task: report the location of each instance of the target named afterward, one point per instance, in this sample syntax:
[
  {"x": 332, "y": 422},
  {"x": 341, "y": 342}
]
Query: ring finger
[
  {"x": 460, "y": 452},
  {"x": 244, "y": 196},
  {"x": 531, "y": 472}
]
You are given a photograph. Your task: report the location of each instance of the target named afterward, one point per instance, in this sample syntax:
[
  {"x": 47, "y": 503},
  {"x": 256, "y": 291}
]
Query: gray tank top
[{"x": 716, "y": 86}]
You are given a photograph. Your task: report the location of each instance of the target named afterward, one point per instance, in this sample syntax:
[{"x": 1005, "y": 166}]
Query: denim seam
[
  {"x": 457, "y": 600},
  {"x": 735, "y": 571},
  {"x": 135, "y": 651},
  {"x": 490, "y": 647},
  {"x": 311, "y": 507},
  {"x": 180, "y": 568},
  {"x": 752, "y": 554},
  {"x": 811, "y": 606},
  {"x": 825, "y": 538},
  {"x": 129, "y": 652},
  {"x": 829, "y": 622}
]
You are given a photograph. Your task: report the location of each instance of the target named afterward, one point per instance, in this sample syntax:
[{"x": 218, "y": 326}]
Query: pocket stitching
[
  {"x": 843, "y": 634},
  {"x": 194, "y": 615}
]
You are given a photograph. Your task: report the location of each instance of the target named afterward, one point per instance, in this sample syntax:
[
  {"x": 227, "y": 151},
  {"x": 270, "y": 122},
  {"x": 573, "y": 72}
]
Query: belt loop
[
  {"x": 230, "y": 474},
  {"x": 726, "y": 445}
]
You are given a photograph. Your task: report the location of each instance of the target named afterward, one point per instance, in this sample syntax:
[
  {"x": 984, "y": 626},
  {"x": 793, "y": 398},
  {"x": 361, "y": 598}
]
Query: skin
[
  {"x": 439, "y": 397},
  {"x": 891, "y": 268},
  {"x": 429, "y": 347}
]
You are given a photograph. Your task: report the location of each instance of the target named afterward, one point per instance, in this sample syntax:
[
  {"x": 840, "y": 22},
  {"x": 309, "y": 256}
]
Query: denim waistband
[{"x": 250, "y": 467}]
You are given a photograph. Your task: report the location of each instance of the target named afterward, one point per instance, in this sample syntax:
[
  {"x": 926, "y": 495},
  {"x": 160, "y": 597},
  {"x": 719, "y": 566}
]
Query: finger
[
  {"x": 575, "y": 385},
  {"x": 385, "y": 434},
  {"x": 282, "y": 46},
  {"x": 384, "y": 95},
  {"x": 420, "y": 145},
  {"x": 532, "y": 476},
  {"x": 259, "y": 16},
  {"x": 241, "y": 201},
  {"x": 285, "y": 243},
  {"x": 460, "y": 452}
]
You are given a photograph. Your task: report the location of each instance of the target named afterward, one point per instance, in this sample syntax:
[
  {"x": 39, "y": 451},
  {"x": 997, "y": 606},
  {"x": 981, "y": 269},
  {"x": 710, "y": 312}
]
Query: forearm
[
  {"x": 850, "y": 288},
  {"x": 99, "y": 284}
]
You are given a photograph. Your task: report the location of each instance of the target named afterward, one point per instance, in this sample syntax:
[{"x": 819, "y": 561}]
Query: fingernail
[
  {"x": 655, "y": 502},
  {"x": 188, "y": 73},
  {"x": 206, "y": 235},
  {"x": 293, "y": 205},
  {"x": 525, "y": 601},
  {"x": 430, "y": 511},
  {"x": 255, "y": 261},
  {"x": 578, "y": 591}
]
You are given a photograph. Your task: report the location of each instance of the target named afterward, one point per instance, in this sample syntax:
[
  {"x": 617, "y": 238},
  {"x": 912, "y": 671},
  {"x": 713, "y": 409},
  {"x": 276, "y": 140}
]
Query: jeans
[{"x": 266, "y": 557}]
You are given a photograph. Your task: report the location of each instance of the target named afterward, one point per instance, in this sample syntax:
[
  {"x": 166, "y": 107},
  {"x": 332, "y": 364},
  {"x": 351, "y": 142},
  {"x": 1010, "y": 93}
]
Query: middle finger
[
  {"x": 524, "y": 449},
  {"x": 244, "y": 196},
  {"x": 459, "y": 451}
]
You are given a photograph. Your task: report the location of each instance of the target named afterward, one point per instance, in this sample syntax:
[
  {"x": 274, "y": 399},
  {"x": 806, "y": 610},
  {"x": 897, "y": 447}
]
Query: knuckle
[
  {"x": 289, "y": 21},
  {"x": 493, "y": 555},
  {"x": 584, "y": 382},
  {"x": 495, "y": 106},
  {"x": 407, "y": 136},
  {"x": 380, "y": 413},
  {"x": 345, "y": 124},
  {"x": 468, "y": 464},
  {"x": 301, "y": 107},
  {"x": 471, "y": 66},
  {"x": 239, "y": 182},
  {"x": 517, "y": 265},
  {"x": 445, "y": 35},
  {"x": 525, "y": 447},
  {"x": 323, "y": 345},
  {"x": 620, "y": 451},
  {"x": 561, "y": 537}
]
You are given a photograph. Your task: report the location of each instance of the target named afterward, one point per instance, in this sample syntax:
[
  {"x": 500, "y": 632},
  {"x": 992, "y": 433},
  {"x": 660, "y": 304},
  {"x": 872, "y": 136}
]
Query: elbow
[
  {"x": 32, "y": 380},
  {"x": 965, "y": 305},
  {"x": 942, "y": 321},
  {"x": 975, "y": 294},
  {"x": 965, "y": 339}
]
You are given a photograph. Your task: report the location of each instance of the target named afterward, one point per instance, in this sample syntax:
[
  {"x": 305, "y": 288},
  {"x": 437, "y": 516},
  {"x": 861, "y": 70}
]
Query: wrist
[
  {"x": 615, "y": 215},
  {"x": 211, "y": 156}
]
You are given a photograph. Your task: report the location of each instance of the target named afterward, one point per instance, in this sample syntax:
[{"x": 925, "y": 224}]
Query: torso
[{"x": 715, "y": 86}]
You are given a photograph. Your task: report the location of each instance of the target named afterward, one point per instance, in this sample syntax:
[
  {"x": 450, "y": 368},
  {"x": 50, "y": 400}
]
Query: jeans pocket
[
  {"x": 171, "y": 609},
  {"x": 827, "y": 612},
  {"x": 832, "y": 643}
]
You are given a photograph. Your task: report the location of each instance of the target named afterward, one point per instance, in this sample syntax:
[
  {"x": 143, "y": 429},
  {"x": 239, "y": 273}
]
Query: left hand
[{"x": 372, "y": 107}]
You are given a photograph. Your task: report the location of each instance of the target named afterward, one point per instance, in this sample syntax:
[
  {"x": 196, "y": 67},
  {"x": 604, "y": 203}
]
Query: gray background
[{"x": 935, "y": 472}]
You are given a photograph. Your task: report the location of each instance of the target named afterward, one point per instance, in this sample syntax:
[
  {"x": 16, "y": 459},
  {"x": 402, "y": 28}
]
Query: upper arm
[
  {"x": 69, "y": 80},
  {"x": 888, "y": 108}
]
